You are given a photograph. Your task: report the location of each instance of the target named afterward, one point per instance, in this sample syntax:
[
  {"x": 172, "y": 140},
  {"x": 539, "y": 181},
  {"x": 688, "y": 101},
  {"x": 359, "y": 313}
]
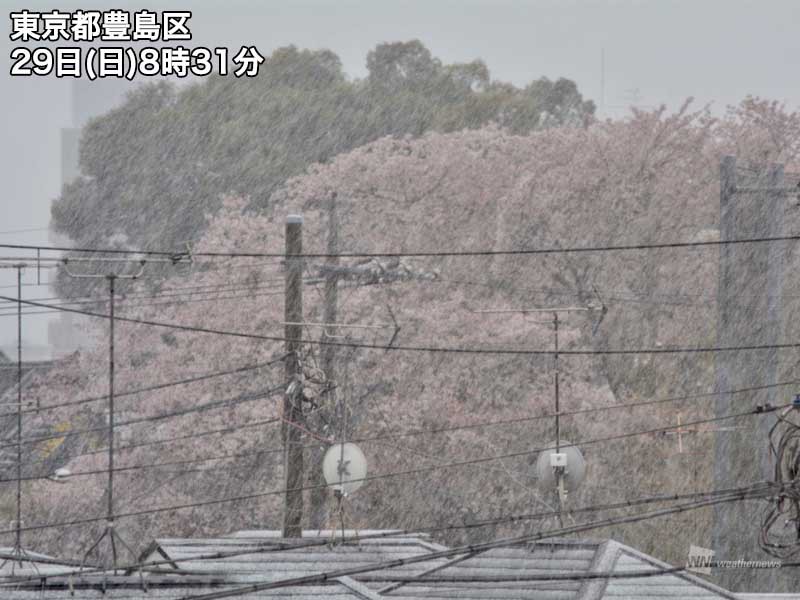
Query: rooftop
[{"x": 558, "y": 569}]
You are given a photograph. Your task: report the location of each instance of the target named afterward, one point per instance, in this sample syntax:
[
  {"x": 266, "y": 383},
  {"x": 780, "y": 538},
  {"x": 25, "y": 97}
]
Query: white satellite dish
[
  {"x": 344, "y": 468},
  {"x": 60, "y": 475},
  {"x": 574, "y": 470}
]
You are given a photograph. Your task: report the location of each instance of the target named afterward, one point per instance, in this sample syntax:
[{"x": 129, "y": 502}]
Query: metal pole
[
  {"x": 18, "y": 539},
  {"x": 555, "y": 363},
  {"x": 560, "y": 470},
  {"x": 109, "y": 530},
  {"x": 292, "y": 403},
  {"x": 110, "y": 513},
  {"x": 318, "y": 496},
  {"x": 331, "y": 292}
]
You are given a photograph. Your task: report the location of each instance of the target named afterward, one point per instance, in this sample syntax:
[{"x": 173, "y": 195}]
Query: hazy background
[{"x": 655, "y": 52}]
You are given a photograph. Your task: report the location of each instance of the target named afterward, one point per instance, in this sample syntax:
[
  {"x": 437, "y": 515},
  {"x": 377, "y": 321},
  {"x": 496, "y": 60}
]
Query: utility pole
[
  {"x": 753, "y": 201},
  {"x": 319, "y": 494},
  {"x": 293, "y": 399}
]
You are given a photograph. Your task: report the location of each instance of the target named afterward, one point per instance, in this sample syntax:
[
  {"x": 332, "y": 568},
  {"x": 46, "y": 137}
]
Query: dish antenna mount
[
  {"x": 562, "y": 468},
  {"x": 344, "y": 467}
]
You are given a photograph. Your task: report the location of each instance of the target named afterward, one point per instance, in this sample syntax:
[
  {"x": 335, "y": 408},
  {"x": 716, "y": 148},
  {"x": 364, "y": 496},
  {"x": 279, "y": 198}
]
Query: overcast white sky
[{"x": 657, "y": 51}]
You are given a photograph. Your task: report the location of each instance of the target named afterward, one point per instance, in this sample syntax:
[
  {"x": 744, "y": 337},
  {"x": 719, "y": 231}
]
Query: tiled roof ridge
[{"x": 605, "y": 557}]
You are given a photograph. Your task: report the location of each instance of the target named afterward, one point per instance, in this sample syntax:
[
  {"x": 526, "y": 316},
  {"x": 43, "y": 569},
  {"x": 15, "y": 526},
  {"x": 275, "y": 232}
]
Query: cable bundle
[{"x": 780, "y": 529}]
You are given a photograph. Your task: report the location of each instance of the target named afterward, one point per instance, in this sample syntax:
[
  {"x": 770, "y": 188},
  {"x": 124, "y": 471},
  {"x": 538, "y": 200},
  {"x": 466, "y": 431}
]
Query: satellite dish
[
  {"x": 574, "y": 470},
  {"x": 344, "y": 468},
  {"x": 60, "y": 475}
]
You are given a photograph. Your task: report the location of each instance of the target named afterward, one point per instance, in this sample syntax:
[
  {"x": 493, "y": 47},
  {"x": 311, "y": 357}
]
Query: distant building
[{"x": 66, "y": 333}]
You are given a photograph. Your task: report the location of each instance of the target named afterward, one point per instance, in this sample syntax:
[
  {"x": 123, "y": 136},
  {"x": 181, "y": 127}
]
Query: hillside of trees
[
  {"x": 649, "y": 178},
  {"x": 154, "y": 168}
]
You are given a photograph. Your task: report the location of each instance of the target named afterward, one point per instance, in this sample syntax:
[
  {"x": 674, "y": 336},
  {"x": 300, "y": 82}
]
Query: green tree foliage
[{"x": 156, "y": 167}]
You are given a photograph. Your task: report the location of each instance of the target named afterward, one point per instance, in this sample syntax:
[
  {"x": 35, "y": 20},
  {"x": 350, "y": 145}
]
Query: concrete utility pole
[
  {"x": 293, "y": 399},
  {"x": 748, "y": 313}
]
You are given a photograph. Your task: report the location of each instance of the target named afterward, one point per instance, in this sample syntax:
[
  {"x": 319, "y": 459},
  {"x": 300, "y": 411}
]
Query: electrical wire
[
  {"x": 754, "y": 491},
  {"x": 166, "y": 303},
  {"x": 436, "y": 430},
  {"x": 168, "y": 415},
  {"x": 468, "y": 549},
  {"x": 145, "y": 467},
  {"x": 415, "y": 254},
  {"x": 265, "y": 284},
  {"x": 122, "y": 298},
  {"x": 669, "y": 298},
  {"x": 427, "y": 349},
  {"x": 408, "y": 472},
  {"x": 150, "y": 388},
  {"x": 784, "y": 447},
  {"x": 575, "y": 412},
  {"x": 281, "y": 546},
  {"x": 170, "y": 440}
]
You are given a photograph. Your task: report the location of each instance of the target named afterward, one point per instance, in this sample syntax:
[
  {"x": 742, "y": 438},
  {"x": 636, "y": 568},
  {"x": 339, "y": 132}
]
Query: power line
[
  {"x": 468, "y": 549},
  {"x": 7, "y": 311},
  {"x": 151, "y": 388},
  {"x": 170, "y": 440},
  {"x": 417, "y": 254},
  {"x": 28, "y": 230},
  {"x": 192, "y": 290},
  {"x": 177, "y": 413},
  {"x": 398, "y": 434},
  {"x": 391, "y": 436},
  {"x": 164, "y": 293},
  {"x": 546, "y": 416},
  {"x": 148, "y": 304},
  {"x": 438, "y": 528},
  {"x": 414, "y": 471},
  {"x": 145, "y": 467},
  {"x": 716, "y": 496},
  {"x": 429, "y": 349}
]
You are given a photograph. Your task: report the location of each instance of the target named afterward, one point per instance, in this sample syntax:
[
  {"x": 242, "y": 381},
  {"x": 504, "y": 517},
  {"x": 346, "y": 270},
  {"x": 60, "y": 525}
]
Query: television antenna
[
  {"x": 560, "y": 464},
  {"x": 110, "y": 531},
  {"x": 680, "y": 431}
]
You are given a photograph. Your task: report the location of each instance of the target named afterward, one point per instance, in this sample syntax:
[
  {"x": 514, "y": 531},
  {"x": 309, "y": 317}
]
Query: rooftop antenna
[
  {"x": 603, "y": 82},
  {"x": 680, "y": 431},
  {"x": 344, "y": 465},
  {"x": 110, "y": 530},
  {"x": 559, "y": 462}
]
